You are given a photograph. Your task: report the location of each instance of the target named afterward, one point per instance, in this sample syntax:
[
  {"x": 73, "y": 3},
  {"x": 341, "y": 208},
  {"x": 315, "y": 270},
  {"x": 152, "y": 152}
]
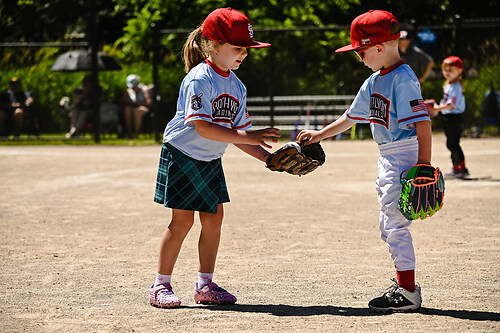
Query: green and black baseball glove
[
  {"x": 423, "y": 192},
  {"x": 296, "y": 159}
]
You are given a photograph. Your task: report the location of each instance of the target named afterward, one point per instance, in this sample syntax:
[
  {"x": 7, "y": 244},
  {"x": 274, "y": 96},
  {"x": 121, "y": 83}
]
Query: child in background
[
  {"x": 211, "y": 112},
  {"x": 391, "y": 101},
  {"x": 452, "y": 107}
]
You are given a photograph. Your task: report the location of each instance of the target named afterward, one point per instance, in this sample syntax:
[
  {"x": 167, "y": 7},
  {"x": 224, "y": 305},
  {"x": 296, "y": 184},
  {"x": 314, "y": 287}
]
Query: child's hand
[
  {"x": 260, "y": 137},
  {"x": 310, "y": 136},
  {"x": 431, "y": 105}
]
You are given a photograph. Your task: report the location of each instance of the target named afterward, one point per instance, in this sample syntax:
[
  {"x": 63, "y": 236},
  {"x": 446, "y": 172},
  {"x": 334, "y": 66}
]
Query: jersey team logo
[
  {"x": 379, "y": 110},
  {"x": 196, "y": 102},
  {"x": 224, "y": 109}
]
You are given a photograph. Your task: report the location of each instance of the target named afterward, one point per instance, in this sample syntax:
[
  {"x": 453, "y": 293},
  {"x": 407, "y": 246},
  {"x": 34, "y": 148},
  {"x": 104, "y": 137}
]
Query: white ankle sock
[
  {"x": 160, "y": 279},
  {"x": 204, "y": 278}
]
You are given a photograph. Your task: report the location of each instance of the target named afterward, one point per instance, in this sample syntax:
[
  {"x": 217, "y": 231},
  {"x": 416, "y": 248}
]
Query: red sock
[
  {"x": 456, "y": 168},
  {"x": 462, "y": 166},
  {"x": 406, "y": 279}
]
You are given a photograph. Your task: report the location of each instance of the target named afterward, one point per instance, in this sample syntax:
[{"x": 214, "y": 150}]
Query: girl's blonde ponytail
[{"x": 193, "y": 51}]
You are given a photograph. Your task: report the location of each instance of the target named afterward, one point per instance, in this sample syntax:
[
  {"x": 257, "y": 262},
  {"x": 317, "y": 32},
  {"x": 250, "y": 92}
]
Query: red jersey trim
[
  {"x": 223, "y": 121},
  {"x": 198, "y": 115},
  {"x": 390, "y": 69},
  {"x": 217, "y": 69},
  {"x": 243, "y": 126},
  {"x": 413, "y": 117},
  {"x": 355, "y": 118}
]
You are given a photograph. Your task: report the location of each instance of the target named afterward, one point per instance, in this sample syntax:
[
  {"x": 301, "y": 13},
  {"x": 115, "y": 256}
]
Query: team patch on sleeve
[
  {"x": 454, "y": 102},
  {"x": 417, "y": 105},
  {"x": 196, "y": 102}
]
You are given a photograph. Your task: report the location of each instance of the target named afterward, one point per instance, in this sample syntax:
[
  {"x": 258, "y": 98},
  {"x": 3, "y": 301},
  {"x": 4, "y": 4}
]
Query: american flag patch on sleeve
[{"x": 417, "y": 105}]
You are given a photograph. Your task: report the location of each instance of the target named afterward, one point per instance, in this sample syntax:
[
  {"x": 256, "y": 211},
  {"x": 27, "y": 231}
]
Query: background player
[
  {"x": 390, "y": 100},
  {"x": 211, "y": 112},
  {"x": 452, "y": 106}
]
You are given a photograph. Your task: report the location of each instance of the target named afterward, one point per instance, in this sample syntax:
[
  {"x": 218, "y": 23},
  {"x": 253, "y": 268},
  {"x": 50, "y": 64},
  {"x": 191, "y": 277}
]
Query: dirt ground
[{"x": 79, "y": 238}]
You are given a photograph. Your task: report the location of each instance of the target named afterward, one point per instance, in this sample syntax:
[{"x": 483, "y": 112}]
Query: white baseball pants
[{"x": 395, "y": 157}]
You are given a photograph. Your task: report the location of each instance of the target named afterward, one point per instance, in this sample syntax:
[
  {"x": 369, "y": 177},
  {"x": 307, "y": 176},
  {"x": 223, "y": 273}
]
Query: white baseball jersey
[
  {"x": 208, "y": 94},
  {"x": 454, "y": 95},
  {"x": 391, "y": 101}
]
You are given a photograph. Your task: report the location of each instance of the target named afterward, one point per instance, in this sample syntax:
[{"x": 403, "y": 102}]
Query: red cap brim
[
  {"x": 252, "y": 44},
  {"x": 345, "y": 48}
]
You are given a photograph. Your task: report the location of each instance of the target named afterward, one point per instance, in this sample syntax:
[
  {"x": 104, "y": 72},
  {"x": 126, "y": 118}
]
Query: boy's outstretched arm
[
  {"x": 424, "y": 134},
  {"x": 338, "y": 126}
]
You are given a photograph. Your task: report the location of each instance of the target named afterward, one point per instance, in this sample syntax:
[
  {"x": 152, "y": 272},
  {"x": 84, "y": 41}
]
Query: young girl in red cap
[
  {"x": 211, "y": 112},
  {"x": 452, "y": 107}
]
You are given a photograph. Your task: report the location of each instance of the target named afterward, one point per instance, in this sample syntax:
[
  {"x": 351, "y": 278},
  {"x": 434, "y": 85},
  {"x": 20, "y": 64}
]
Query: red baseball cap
[
  {"x": 230, "y": 26},
  {"x": 371, "y": 28},
  {"x": 454, "y": 61}
]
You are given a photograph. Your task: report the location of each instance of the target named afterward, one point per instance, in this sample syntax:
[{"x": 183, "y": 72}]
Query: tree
[{"x": 302, "y": 62}]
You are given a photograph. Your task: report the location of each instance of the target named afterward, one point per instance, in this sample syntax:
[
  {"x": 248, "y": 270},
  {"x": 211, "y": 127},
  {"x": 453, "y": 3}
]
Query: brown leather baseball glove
[{"x": 296, "y": 159}]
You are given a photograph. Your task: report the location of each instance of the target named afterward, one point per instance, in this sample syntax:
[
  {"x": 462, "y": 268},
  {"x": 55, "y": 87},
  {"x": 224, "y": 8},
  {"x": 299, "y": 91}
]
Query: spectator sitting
[
  {"x": 15, "y": 103},
  {"x": 416, "y": 58},
  {"x": 136, "y": 103},
  {"x": 83, "y": 107}
]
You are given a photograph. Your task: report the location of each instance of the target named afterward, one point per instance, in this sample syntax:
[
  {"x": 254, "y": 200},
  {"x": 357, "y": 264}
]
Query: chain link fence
[{"x": 301, "y": 61}]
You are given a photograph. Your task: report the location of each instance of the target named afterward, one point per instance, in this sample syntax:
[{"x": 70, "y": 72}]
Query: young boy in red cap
[
  {"x": 391, "y": 102},
  {"x": 211, "y": 112}
]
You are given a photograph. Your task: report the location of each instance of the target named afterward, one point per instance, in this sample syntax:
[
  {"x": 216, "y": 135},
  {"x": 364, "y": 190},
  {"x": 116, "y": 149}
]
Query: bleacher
[{"x": 302, "y": 111}]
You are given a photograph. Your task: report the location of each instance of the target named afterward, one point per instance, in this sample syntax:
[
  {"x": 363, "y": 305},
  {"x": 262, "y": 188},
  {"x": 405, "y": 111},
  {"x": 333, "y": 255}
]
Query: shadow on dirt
[
  {"x": 487, "y": 179},
  {"x": 301, "y": 311},
  {"x": 462, "y": 314}
]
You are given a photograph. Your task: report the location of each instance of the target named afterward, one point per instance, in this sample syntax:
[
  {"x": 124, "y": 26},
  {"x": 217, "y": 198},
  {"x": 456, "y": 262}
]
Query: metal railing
[{"x": 289, "y": 113}]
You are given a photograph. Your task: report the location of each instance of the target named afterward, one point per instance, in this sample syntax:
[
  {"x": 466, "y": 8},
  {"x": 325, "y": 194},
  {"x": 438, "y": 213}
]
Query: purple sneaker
[
  {"x": 162, "y": 296},
  {"x": 213, "y": 294}
]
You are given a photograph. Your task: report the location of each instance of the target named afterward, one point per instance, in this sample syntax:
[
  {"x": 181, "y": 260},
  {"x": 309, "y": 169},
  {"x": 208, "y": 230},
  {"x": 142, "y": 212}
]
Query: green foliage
[
  {"x": 302, "y": 62},
  {"x": 51, "y": 20},
  {"x": 48, "y": 87},
  {"x": 137, "y": 34},
  {"x": 135, "y": 42}
]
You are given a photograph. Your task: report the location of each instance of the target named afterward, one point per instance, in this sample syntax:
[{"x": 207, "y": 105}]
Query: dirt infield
[{"x": 79, "y": 236}]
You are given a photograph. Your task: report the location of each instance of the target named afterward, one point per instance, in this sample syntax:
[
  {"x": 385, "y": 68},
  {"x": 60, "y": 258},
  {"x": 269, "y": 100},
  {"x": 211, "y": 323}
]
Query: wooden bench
[{"x": 289, "y": 113}]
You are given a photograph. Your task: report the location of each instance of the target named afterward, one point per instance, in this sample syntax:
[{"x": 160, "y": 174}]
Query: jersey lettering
[
  {"x": 224, "y": 109},
  {"x": 379, "y": 110}
]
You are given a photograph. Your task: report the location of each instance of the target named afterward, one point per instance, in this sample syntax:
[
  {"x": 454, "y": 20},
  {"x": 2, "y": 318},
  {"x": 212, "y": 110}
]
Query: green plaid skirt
[{"x": 185, "y": 183}]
